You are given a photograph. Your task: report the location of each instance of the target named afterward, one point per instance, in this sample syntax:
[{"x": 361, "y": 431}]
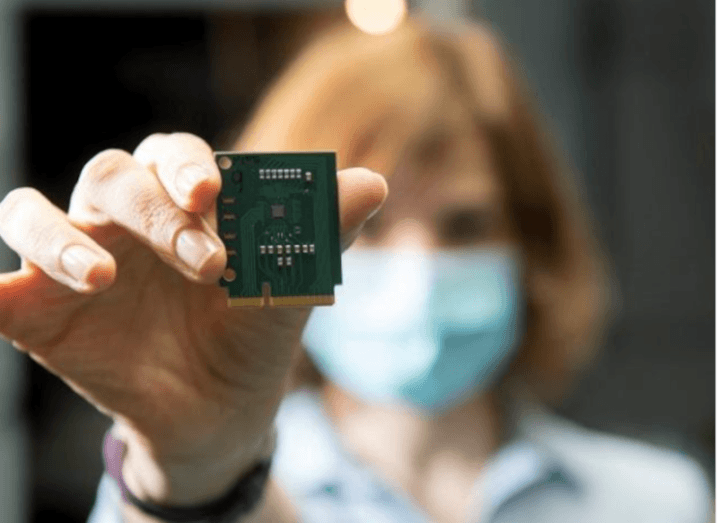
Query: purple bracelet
[{"x": 239, "y": 500}]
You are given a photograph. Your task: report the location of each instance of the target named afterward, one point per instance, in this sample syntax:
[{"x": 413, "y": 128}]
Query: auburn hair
[{"x": 344, "y": 92}]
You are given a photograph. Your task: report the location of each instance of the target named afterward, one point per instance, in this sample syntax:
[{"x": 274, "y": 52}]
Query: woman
[
  {"x": 476, "y": 196},
  {"x": 476, "y": 294}
]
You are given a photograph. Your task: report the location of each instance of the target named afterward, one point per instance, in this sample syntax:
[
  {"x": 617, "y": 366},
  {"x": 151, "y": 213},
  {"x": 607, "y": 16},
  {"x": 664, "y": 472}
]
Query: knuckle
[
  {"x": 16, "y": 196},
  {"x": 208, "y": 167},
  {"x": 158, "y": 218},
  {"x": 49, "y": 238},
  {"x": 105, "y": 166},
  {"x": 191, "y": 140},
  {"x": 16, "y": 199},
  {"x": 149, "y": 143},
  {"x": 30, "y": 224}
]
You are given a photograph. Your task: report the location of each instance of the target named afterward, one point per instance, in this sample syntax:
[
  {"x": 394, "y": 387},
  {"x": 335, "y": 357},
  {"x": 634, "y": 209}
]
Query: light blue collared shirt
[{"x": 550, "y": 470}]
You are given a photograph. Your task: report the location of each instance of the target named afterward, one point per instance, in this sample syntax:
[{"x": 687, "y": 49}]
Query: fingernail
[
  {"x": 195, "y": 248},
  {"x": 77, "y": 261},
  {"x": 189, "y": 177}
]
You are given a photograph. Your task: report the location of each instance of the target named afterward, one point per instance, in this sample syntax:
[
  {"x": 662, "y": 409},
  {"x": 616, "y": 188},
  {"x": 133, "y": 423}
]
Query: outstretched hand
[{"x": 119, "y": 297}]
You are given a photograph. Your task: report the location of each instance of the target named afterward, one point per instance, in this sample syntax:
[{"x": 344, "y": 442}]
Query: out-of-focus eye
[
  {"x": 432, "y": 152},
  {"x": 361, "y": 146},
  {"x": 459, "y": 227}
]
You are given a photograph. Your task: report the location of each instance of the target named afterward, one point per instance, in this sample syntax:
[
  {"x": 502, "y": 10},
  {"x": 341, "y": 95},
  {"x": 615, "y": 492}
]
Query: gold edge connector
[
  {"x": 320, "y": 299},
  {"x": 282, "y": 301},
  {"x": 246, "y": 302}
]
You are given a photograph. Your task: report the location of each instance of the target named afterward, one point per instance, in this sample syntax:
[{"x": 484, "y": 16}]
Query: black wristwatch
[{"x": 241, "y": 499}]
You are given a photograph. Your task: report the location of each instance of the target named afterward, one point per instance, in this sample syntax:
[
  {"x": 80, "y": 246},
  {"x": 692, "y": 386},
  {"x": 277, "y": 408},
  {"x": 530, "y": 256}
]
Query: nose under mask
[{"x": 423, "y": 329}]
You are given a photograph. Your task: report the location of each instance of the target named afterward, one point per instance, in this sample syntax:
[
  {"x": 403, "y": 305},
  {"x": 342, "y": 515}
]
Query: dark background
[
  {"x": 627, "y": 85},
  {"x": 93, "y": 83}
]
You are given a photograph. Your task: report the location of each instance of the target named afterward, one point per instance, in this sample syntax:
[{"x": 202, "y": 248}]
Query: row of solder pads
[
  {"x": 286, "y": 249},
  {"x": 281, "y": 249},
  {"x": 284, "y": 174}
]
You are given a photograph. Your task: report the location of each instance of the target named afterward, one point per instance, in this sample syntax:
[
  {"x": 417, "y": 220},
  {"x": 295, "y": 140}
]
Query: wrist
[{"x": 191, "y": 480}]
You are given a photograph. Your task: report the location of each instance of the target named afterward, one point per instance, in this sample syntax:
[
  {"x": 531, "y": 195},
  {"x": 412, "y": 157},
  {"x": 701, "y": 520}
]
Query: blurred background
[{"x": 627, "y": 86}]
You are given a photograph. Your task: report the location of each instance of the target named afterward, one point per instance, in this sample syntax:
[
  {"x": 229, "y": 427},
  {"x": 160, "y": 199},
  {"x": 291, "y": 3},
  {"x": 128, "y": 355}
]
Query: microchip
[
  {"x": 261, "y": 233},
  {"x": 278, "y": 210}
]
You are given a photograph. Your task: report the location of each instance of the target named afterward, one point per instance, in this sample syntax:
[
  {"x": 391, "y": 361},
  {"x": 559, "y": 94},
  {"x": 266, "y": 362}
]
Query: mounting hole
[
  {"x": 229, "y": 274},
  {"x": 225, "y": 163}
]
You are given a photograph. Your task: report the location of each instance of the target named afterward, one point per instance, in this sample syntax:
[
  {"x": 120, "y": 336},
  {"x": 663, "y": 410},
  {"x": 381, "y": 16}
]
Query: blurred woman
[{"x": 477, "y": 294}]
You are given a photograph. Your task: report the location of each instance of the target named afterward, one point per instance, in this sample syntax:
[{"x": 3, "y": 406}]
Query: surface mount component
[{"x": 279, "y": 220}]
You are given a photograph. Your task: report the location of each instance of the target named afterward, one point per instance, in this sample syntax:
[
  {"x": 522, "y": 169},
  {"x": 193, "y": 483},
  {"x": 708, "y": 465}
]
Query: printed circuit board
[{"x": 278, "y": 216}]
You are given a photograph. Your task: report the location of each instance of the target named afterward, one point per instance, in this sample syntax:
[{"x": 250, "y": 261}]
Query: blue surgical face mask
[{"x": 423, "y": 329}]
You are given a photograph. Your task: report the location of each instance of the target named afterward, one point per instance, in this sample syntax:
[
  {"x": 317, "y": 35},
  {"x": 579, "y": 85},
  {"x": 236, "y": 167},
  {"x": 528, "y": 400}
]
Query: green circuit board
[{"x": 278, "y": 216}]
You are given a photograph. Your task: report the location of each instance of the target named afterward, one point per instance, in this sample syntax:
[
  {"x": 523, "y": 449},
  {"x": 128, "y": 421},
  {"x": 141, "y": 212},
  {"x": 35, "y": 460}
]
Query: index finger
[{"x": 185, "y": 166}]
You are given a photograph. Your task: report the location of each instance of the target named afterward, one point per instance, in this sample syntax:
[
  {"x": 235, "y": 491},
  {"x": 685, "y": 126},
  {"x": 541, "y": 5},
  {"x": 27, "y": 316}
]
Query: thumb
[{"x": 361, "y": 193}]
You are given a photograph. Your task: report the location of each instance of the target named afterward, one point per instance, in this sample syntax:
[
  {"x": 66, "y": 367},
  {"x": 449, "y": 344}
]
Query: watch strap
[{"x": 239, "y": 500}]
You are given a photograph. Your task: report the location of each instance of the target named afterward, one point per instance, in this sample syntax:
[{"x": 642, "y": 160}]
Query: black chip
[{"x": 278, "y": 210}]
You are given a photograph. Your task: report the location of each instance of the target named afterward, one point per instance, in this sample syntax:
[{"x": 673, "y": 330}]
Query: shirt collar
[{"x": 525, "y": 461}]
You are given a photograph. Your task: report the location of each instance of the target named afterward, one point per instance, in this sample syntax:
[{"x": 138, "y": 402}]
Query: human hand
[{"x": 119, "y": 298}]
